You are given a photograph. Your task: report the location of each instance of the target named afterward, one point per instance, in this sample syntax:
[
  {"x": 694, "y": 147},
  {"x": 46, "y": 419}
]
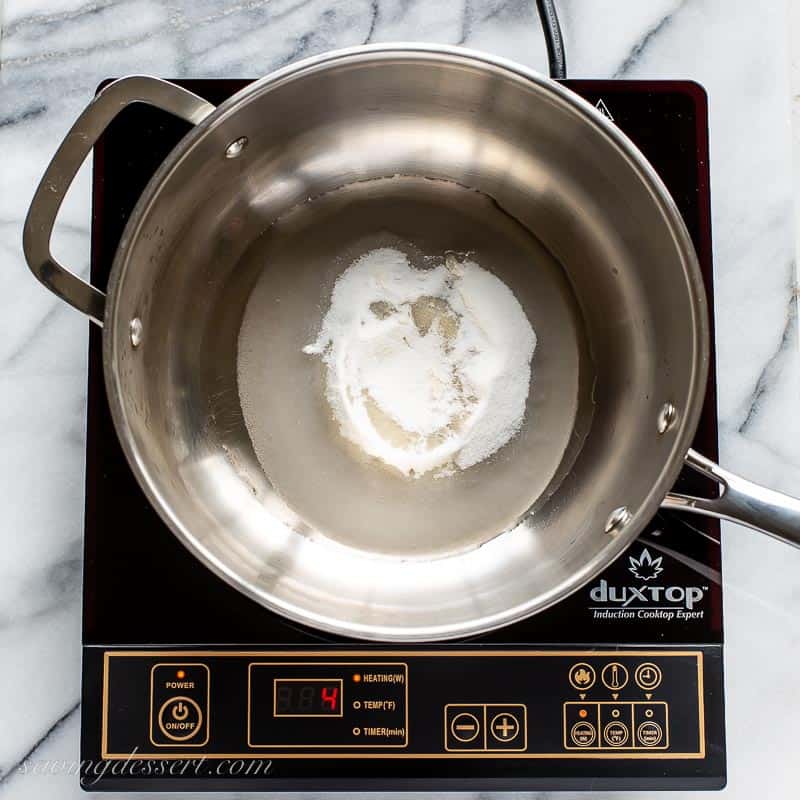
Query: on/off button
[
  {"x": 180, "y": 719},
  {"x": 179, "y": 704}
]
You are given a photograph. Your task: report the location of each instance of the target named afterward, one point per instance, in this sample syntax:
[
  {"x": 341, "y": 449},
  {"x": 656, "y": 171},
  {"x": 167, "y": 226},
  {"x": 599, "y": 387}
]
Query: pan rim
[{"x": 682, "y": 435}]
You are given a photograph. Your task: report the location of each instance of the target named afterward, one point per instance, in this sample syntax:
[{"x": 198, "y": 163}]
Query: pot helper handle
[
  {"x": 740, "y": 500},
  {"x": 61, "y": 171}
]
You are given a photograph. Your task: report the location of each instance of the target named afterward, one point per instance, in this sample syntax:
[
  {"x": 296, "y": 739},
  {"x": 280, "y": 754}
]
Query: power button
[
  {"x": 180, "y": 719},
  {"x": 179, "y": 700}
]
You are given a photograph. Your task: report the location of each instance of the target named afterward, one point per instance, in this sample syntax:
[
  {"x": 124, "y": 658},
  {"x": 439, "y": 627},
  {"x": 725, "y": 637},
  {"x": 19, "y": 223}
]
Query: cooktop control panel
[{"x": 477, "y": 704}]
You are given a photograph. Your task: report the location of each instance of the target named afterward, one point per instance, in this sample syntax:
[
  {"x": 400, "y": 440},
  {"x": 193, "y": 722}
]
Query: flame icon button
[{"x": 582, "y": 676}]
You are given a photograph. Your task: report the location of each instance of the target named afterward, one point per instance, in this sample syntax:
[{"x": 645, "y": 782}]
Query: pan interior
[
  {"x": 228, "y": 264},
  {"x": 334, "y": 487}
]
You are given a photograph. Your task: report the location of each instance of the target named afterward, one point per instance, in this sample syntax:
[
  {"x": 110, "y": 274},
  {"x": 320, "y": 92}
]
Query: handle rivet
[
  {"x": 236, "y": 147},
  {"x": 617, "y": 520},
  {"x": 666, "y": 418},
  {"x": 136, "y": 331}
]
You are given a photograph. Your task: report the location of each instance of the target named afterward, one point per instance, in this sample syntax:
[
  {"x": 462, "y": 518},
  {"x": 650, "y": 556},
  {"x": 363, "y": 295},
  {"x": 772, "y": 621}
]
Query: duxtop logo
[
  {"x": 645, "y": 568},
  {"x": 648, "y": 600}
]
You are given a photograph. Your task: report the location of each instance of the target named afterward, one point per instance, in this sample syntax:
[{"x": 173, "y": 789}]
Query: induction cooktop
[{"x": 189, "y": 685}]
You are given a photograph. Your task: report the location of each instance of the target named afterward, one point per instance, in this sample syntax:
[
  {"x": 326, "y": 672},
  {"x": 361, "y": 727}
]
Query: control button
[
  {"x": 582, "y": 676},
  {"x": 583, "y": 734},
  {"x": 581, "y": 725},
  {"x": 615, "y": 734},
  {"x": 651, "y": 725},
  {"x": 614, "y": 676},
  {"x": 504, "y": 727},
  {"x": 180, "y": 718},
  {"x": 649, "y": 734},
  {"x": 647, "y": 676},
  {"x": 484, "y": 727},
  {"x": 179, "y": 704},
  {"x": 465, "y": 727}
]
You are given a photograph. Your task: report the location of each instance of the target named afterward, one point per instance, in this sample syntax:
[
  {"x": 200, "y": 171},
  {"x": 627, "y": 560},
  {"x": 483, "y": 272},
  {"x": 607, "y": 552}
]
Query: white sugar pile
[{"x": 426, "y": 369}]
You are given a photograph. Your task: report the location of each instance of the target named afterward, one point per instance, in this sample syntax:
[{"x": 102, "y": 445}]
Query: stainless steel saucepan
[{"x": 223, "y": 275}]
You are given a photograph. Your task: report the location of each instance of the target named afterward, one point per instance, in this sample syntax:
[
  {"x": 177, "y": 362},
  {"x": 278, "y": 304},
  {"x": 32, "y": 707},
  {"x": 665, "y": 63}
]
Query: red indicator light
[{"x": 583, "y": 713}]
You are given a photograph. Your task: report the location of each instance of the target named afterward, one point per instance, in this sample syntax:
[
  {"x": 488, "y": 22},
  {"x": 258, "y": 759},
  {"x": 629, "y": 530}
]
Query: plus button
[{"x": 504, "y": 727}]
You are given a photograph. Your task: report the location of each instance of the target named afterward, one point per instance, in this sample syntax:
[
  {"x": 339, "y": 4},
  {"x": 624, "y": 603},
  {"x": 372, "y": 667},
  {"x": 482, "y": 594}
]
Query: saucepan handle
[
  {"x": 65, "y": 164},
  {"x": 741, "y": 501}
]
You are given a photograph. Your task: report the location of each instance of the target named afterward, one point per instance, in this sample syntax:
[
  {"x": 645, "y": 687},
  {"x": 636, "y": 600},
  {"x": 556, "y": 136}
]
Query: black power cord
[{"x": 553, "y": 38}]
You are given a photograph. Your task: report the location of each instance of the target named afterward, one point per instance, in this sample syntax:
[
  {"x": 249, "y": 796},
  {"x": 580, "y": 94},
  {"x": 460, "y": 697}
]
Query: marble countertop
[{"x": 55, "y": 52}]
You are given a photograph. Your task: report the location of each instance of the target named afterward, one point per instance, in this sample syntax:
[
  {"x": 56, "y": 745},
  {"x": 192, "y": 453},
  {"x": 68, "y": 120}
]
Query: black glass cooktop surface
[{"x": 144, "y": 591}]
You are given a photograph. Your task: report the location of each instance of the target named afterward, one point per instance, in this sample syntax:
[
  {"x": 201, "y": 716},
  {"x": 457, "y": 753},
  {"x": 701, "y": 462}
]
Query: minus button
[{"x": 465, "y": 727}]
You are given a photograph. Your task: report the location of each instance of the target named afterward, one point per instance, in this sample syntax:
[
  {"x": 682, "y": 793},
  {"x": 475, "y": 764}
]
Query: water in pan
[{"x": 328, "y": 481}]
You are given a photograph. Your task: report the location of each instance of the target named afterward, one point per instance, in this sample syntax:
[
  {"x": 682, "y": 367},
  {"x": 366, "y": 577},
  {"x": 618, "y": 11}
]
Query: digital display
[{"x": 308, "y": 697}]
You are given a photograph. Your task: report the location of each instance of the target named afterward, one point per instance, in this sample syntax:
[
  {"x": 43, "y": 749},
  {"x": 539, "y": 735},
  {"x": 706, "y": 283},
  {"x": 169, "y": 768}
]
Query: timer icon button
[
  {"x": 180, "y": 718},
  {"x": 647, "y": 676}
]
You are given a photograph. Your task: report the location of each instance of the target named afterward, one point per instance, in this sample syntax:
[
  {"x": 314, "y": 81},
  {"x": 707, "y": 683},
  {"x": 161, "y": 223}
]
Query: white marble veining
[{"x": 54, "y": 53}]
